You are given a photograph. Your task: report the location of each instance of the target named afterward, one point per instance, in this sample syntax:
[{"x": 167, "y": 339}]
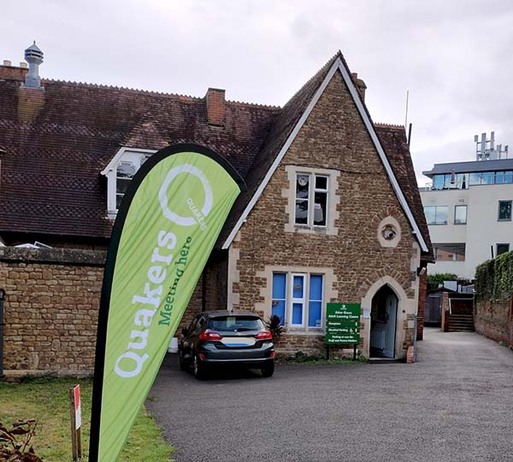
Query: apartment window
[
  {"x": 436, "y": 215},
  {"x": 450, "y": 181},
  {"x": 504, "y": 211},
  {"x": 504, "y": 177},
  {"x": 311, "y": 199},
  {"x": 502, "y": 248},
  {"x": 460, "y": 215},
  {"x": 482, "y": 178},
  {"x": 297, "y": 298}
]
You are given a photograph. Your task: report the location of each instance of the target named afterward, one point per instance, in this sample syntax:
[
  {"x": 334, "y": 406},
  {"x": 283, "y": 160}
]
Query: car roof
[{"x": 220, "y": 313}]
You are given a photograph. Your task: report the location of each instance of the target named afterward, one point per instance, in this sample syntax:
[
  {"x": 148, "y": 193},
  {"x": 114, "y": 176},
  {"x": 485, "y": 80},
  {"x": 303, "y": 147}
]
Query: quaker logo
[
  {"x": 167, "y": 225},
  {"x": 198, "y": 215}
]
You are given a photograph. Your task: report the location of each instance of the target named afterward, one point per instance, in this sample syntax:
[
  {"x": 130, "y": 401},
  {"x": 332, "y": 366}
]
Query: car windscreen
[{"x": 235, "y": 324}]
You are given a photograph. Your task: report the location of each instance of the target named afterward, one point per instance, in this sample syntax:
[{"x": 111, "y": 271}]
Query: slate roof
[
  {"x": 51, "y": 182},
  {"x": 54, "y": 144},
  {"x": 393, "y": 139}
]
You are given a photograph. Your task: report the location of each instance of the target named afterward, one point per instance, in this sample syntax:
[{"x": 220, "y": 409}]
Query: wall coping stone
[{"x": 81, "y": 257}]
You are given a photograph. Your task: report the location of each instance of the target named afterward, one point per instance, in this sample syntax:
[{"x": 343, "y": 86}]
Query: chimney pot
[{"x": 7, "y": 62}]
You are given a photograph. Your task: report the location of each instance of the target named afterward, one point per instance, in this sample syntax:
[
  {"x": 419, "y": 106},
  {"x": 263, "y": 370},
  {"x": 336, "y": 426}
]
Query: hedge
[{"x": 494, "y": 278}]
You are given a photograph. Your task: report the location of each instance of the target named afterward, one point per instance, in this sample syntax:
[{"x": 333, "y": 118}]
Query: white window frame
[
  {"x": 332, "y": 200},
  {"x": 137, "y": 157},
  {"x": 290, "y": 300},
  {"x": 294, "y": 300},
  {"x": 310, "y": 200}
]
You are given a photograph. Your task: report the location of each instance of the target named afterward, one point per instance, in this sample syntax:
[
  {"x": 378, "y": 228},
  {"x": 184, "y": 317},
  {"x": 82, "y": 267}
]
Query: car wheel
[
  {"x": 268, "y": 370},
  {"x": 183, "y": 364},
  {"x": 199, "y": 368}
]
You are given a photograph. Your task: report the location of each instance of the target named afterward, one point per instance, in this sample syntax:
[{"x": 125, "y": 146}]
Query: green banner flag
[{"x": 165, "y": 230}]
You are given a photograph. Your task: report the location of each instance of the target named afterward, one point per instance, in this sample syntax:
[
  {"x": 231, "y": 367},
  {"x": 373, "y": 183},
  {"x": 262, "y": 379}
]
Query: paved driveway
[{"x": 454, "y": 404}]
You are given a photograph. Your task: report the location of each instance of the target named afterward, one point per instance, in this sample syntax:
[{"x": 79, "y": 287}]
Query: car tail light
[
  {"x": 264, "y": 335},
  {"x": 209, "y": 335}
]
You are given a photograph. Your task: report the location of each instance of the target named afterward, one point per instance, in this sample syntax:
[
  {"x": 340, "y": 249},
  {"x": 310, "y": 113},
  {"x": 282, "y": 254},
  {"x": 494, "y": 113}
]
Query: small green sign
[{"x": 342, "y": 323}]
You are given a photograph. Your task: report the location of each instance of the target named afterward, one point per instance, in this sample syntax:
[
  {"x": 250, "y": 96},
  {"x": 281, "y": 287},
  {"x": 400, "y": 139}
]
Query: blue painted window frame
[{"x": 297, "y": 299}]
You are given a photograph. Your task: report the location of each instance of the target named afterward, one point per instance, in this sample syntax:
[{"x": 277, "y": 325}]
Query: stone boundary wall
[
  {"x": 494, "y": 319},
  {"x": 52, "y": 298}
]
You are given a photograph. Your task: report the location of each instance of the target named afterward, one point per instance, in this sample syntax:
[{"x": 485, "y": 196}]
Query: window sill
[
  {"x": 310, "y": 331},
  {"x": 312, "y": 229}
]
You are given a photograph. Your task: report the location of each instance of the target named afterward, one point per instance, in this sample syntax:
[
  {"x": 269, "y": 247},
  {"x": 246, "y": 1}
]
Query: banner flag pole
[{"x": 166, "y": 227}]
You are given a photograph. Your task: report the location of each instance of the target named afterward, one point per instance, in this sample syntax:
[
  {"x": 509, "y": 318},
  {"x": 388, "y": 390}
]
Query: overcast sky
[{"x": 453, "y": 57}]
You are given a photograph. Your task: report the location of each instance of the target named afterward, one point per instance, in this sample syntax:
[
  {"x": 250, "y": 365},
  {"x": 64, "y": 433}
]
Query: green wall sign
[{"x": 342, "y": 324}]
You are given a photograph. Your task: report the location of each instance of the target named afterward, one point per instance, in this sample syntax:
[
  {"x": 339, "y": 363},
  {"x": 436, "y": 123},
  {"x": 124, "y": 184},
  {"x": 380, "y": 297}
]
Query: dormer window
[
  {"x": 125, "y": 171},
  {"x": 120, "y": 171}
]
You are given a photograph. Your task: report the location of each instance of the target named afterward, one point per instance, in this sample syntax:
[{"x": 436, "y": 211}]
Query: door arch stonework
[{"x": 406, "y": 309}]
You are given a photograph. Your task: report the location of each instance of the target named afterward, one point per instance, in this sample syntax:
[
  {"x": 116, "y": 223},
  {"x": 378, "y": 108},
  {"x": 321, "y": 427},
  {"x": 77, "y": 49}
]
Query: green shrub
[
  {"x": 435, "y": 280},
  {"x": 494, "y": 278}
]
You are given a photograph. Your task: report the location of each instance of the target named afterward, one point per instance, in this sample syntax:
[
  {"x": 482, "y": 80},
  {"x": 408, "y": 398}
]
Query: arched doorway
[{"x": 383, "y": 323}]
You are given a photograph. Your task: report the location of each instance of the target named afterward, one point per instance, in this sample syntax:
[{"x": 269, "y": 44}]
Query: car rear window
[{"x": 235, "y": 323}]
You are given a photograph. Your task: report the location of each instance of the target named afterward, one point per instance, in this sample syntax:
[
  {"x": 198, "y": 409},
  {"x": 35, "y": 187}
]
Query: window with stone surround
[
  {"x": 312, "y": 200},
  {"x": 297, "y": 299},
  {"x": 120, "y": 171}
]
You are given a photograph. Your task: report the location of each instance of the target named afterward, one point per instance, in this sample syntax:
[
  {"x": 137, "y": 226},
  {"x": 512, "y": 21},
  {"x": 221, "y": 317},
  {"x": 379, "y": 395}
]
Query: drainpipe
[{"x": 2, "y": 298}]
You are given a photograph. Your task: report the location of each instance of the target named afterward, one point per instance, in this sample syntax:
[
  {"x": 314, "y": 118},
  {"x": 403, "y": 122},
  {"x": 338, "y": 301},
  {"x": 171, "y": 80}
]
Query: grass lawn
[{"x": 47, "y": 401}]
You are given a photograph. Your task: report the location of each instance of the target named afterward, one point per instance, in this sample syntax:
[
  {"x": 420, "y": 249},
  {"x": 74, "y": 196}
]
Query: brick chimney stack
[
  {"x": 216, "y": 107},
  {"x": 360, "y": 85}
]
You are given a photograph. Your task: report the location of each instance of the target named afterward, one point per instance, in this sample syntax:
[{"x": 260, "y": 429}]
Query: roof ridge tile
[{"x": 115, "y": 87}]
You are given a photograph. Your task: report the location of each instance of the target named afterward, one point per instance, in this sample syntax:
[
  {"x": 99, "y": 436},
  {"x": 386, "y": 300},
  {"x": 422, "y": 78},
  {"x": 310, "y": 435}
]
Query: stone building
[{"x": 331, "y": 212}]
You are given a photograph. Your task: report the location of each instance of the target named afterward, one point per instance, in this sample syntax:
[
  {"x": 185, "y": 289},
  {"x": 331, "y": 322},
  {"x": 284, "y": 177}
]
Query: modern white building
[{"x": 468, "y": 208}]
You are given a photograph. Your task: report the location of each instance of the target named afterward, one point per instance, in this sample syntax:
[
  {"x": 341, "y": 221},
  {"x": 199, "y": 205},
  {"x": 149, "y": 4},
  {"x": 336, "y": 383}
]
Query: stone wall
[
  {"x": 50, "y": 310},
  {"x": 52, "y": 300},
  {"x": 334, "y": 139},
  {"x": 494, "y": 319}
]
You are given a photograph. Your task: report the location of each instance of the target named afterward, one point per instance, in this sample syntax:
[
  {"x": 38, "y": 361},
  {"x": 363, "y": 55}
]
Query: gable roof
[
  {"x": 290, "y": 122},
  {"x": 54, "y": 144}
]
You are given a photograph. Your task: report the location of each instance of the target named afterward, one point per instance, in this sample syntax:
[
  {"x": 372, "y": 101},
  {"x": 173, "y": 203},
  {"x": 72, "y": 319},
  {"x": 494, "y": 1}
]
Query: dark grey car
[{"x": 226, "y": 338}]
